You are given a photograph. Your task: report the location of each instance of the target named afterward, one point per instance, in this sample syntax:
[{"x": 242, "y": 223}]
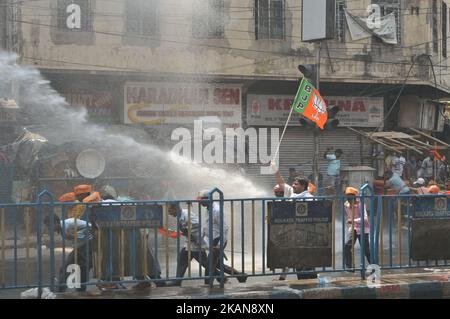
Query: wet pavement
[
  {"x": 419, "y": 282},
  {"x": 394, "y": 284}
]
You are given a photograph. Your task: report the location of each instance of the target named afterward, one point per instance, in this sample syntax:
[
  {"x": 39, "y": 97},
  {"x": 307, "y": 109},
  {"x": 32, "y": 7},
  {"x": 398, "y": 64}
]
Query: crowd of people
[
  {"x": 402, "y": 176},
  {"x": 299, "y": 190},
  {"x": 430, "y": 175},
  {"x": 412, "y": 176},
  {"x": 80, "y": 227}
]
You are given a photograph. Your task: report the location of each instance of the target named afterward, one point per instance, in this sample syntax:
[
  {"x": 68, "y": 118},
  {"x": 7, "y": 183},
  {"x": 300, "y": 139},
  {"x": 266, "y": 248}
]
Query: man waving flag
[{"x": 310, "y": 103}]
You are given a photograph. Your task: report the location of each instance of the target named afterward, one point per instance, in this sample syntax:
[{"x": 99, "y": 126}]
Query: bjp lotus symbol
[{"x": 319, "y": 105}]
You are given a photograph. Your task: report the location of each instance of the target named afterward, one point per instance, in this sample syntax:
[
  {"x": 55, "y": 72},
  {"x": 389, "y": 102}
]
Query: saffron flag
[
  {"x": 168, "y": 232},
  {"x": 310, "y": 103}
]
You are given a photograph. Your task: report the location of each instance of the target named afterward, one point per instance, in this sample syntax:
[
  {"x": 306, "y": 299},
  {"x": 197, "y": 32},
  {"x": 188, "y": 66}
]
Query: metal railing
[{"x": 31, "y": 252}]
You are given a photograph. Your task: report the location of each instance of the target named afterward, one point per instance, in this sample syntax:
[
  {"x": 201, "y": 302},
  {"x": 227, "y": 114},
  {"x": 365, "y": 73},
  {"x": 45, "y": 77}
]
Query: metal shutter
[{"x": 297, "y": 150}]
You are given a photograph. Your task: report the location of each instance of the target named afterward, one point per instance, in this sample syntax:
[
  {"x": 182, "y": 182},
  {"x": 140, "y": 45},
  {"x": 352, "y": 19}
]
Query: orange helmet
[
  {"x": 82, "y": 189},
  {"x": 434, "y": 189},
  {"x": 351, "y": 191},
  {"x": 68, "y": 197}
]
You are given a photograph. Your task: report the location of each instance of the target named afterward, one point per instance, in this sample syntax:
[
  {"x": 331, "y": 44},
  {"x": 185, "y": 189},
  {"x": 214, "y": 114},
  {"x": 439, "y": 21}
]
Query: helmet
[
  {"x": 68, "y": 197},
  {"x": 434, "y": 189},
  {"x": 351, "y": 191},
  {"x": 82, "y": 189},
  {"x": 420, "y": 181},
  {"x": 204, "y": 193},
  {"x": 109, "y": 190}
]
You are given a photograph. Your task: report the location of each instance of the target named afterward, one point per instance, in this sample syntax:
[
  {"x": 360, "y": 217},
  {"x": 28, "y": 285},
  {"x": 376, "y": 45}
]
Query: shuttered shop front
[
  {"x": 297, "y": 151},
  {"x": 297, "y": 147}
]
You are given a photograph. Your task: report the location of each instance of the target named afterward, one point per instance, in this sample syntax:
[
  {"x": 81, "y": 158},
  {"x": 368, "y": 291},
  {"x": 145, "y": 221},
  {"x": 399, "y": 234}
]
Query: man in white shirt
[
  {"x": 197, "y": 244},
  {"x": 398, "y": 164},
  {"x": 299, "y": 189},
  {"x": 428, "y": 167},
  {"x": 214, "y": 251}
]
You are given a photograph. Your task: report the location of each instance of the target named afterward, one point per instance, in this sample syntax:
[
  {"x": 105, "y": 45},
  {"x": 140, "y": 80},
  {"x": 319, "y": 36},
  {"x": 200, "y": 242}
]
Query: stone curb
[{"x": 402, "y": 286}]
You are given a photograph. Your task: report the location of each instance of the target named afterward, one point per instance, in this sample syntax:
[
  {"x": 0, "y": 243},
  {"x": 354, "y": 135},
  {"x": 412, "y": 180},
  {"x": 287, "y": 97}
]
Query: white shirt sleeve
[{"x": 288, "y": 191}]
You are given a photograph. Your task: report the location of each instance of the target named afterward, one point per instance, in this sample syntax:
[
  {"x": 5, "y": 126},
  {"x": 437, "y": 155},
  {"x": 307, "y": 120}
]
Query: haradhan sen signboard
[
  {"x": 274, "y": 110},
  {"x": 157, "y": 103}
]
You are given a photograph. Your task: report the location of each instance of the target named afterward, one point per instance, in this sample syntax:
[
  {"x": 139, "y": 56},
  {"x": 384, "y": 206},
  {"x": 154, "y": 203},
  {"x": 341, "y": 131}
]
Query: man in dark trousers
[
  {"x": 197, "y": 244},
  {"x": 82, "y": 252},
  {"x": 214, "y": 251}
]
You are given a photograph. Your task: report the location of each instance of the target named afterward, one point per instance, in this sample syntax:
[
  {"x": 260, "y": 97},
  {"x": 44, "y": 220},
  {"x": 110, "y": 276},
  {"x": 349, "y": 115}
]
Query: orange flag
[
  {"x": 310, "y": 103},
  {"x": 167, "y": 232}
]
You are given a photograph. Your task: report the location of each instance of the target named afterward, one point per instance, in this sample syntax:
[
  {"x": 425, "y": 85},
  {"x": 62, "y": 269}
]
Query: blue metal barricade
[{"x": 137, "y": 253}]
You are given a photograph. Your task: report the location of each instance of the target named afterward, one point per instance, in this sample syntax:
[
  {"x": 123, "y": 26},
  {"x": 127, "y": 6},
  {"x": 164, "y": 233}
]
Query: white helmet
[{"x": 204, "y": 193}]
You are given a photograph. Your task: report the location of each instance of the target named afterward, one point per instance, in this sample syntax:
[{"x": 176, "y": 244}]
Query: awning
[{"x": 418, "y": 142}]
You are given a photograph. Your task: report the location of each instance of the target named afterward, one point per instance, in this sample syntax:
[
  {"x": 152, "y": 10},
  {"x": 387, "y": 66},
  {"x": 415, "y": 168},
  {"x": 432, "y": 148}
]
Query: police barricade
[
  {"x": 300, "y": 234},
  {"x": 263, "y": 232},
  {"x": 122, "y": 241},
  {"x": 430, "y": 228}
]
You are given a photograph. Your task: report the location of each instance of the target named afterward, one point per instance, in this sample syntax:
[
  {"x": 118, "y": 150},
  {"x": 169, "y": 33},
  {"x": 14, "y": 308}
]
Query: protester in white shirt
[
  {"x": 398, "y": 164},
  {"x": 188, "y": 225},
  {"x": 214, "y": 251},
  {"x": 299, "y": 189}
]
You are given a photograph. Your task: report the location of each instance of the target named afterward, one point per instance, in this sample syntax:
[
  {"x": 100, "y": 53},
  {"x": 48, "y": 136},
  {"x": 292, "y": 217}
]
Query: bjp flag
[{"x": 310, "y": 103}]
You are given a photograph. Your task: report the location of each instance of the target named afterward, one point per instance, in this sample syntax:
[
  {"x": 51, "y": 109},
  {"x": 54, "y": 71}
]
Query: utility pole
[{"x": 315, "y": 166}]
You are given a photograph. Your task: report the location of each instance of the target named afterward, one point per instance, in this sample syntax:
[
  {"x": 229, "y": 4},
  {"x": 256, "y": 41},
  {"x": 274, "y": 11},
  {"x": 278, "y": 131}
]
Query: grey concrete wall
[{"x": 238, "y": 54}]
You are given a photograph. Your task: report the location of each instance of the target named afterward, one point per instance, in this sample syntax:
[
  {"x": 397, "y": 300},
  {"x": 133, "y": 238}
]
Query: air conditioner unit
[{"x": 420, "y": 114}]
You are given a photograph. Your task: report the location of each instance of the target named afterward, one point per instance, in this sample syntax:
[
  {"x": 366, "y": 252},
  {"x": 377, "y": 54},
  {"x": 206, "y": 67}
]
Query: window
[
  {"x": 444, "y": 29},
  {"x": 208, "y": 19},
  {"x": 142, "y": 17},
  {"x": 434, "y": 20},
  {"x": 340, "y": 20},
  {"x": 389, "y": 6},
  {"x": 269, "y": 19},
  {"x": 74, "y": 15},
  {"x": 12, "y": 29}
]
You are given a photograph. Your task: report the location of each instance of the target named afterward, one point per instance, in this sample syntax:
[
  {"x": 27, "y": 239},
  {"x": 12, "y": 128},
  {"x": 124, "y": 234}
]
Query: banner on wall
[
  {"x": 273, "y": 110},
  {"x": 99, "y": 105},
  {"x": 159, "y": 103}
]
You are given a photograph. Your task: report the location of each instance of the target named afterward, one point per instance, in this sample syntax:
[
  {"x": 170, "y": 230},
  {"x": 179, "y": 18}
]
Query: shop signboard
[
  {"x": 273, "y": 110},
  {"x": 158, "y": 103},
  {"x": 99, "y": 105}
]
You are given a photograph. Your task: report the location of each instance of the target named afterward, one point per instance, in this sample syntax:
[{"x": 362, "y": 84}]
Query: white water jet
[{"x": 43, "y": 108}]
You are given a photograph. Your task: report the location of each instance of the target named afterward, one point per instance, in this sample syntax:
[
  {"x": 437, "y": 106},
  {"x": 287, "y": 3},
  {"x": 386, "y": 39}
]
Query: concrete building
[
  {"x": 162, "y": 64},
  {"x": 10, "y": 25}
]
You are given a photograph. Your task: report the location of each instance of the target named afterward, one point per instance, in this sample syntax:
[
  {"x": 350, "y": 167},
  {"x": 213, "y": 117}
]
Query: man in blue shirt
[
  {"x": 396, "y": 182},
  {"x": 83, "y": 248},
  {"x": 334, "y": 168}
]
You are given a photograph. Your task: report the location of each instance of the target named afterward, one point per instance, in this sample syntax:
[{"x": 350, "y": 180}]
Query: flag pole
[
  {"x": 282, "y": 134},
  {"x": 315, "y": 134}
]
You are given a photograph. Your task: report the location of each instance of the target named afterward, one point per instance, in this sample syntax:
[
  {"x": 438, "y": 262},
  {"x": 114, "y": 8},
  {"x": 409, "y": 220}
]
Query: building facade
[{"x": 163, "y": 64}]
